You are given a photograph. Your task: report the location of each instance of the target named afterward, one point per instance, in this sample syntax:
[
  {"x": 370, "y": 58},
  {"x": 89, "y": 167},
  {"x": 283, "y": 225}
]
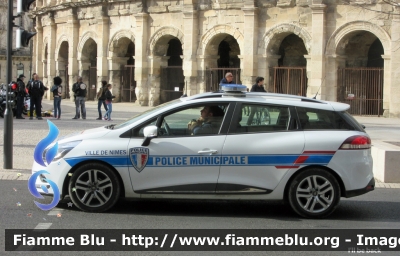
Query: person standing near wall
[
  {"x": 57, "y": 92},
  {"x": 101, "y": 96},
  {"x": 36, "y": 91},
  {"x": 20, "y": 96},
  {"x": 80, "y": 91},
  {"x": 259, "y": 85},
  {"x": 109, "y": 98}
]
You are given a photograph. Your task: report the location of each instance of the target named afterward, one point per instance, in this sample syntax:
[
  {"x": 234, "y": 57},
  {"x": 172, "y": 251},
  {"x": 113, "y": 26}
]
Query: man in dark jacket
[
  {"x": 102, "y": 98},
  {"x": 20, "y": 96},
  {"x": 227, "y": 80},
  {"x": 80, "y": 90},
  {"x": 259, "y": 85},
  {"x": 36, "y": 90}
]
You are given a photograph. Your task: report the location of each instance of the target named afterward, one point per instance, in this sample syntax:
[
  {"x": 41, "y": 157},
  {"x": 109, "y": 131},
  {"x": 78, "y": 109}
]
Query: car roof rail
[{"x": 221, "y": 93}]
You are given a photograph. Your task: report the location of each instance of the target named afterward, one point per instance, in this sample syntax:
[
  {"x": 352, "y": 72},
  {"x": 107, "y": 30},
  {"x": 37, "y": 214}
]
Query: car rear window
[{"x": 317, "y": 119}]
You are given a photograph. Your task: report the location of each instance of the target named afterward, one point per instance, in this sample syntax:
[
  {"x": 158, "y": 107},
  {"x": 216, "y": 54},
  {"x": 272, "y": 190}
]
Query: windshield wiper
[{"x": 111, "y": 126}]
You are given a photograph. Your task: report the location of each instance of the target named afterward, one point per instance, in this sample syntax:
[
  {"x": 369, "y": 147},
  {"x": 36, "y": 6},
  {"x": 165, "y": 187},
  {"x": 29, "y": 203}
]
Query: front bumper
[
  {"x": 58, "y": 171},
  {"x": 357, "y": 192}
]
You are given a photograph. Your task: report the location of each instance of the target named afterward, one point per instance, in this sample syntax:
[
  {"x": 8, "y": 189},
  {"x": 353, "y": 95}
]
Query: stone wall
[{"x": 325, "y": 35}]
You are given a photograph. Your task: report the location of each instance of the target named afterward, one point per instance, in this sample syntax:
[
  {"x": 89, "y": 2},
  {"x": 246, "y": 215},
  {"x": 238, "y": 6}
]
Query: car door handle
[{"x": 210, "y": 152}]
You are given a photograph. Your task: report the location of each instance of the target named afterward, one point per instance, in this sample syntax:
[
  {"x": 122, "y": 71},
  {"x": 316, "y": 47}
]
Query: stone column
[
  {"x": 269, "y": 62},
  {"x": 103, "y": 30},
  {"x": 73, "y": 32},
  {"x": 391, "y": 93},
  {"x": 333, "y": 63},
  {"x": 190, "y": 27},
  {"x": 156, "y": 62},
  {"x": 249, "y": 61},
  {"x": 316, "y": 67},
  {"x": 114, "y": 67},
  {"x": 38, "y": 44},
  {"x": 141, "y": 55},
  {"x": 392, "y": 80},
  {"x": 51, "y": 63},
  {"x": 204, "y": 62}
]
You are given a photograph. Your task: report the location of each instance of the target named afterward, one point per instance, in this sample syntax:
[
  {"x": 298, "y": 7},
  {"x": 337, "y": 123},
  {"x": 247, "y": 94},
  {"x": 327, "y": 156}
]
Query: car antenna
[{"x": 315, "y": 97}]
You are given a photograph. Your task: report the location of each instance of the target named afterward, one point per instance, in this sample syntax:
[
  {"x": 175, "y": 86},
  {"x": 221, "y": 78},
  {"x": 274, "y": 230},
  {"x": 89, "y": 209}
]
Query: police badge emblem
[{"x": 139, "y": 157}]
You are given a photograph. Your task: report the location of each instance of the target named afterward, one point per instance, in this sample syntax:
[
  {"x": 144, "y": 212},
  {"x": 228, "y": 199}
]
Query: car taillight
[{"x": 356, "y": 142}]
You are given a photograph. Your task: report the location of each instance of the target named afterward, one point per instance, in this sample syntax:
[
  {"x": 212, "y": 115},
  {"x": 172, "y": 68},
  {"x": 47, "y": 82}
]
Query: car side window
[
  {"x": 194, "y": 121},
  {"x": 317, "y": 119},
  {"x": 263, "y": 118}
]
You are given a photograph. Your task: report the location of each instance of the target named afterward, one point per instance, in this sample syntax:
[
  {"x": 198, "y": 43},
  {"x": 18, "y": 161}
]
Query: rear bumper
[{"x": 357, "y": 192}]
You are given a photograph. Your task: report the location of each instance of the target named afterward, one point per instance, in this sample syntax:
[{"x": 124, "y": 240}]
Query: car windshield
[{"x": 145, "y": 114}]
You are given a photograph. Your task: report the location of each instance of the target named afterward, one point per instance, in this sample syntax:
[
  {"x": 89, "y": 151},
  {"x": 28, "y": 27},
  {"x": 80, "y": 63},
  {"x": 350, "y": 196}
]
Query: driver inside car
[{"x": 209, "y": 122}]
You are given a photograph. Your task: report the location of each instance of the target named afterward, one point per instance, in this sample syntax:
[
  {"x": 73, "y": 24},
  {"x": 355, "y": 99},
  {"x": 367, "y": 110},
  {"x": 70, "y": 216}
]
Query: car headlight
[{"x": 63, "y": 149}]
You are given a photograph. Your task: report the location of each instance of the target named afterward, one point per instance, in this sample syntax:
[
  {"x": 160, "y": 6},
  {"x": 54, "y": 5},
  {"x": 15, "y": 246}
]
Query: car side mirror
[{"x": 149, "y": 132}]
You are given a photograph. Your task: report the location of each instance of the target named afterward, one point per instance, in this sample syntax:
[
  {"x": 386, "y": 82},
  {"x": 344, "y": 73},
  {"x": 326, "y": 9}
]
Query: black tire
[
  {"x": 96, "y": 176},
  {"x": 306, "y": 189}
]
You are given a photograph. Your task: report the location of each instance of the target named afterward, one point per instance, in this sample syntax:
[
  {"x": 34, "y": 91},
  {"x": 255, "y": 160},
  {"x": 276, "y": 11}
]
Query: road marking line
[
  {"x": 42, "y": 226},
  {"x": 55, "y": 211}
]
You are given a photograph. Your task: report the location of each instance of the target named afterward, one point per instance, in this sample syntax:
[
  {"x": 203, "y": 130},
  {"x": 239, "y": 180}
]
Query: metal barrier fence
[{"x": 362, "y": 89}]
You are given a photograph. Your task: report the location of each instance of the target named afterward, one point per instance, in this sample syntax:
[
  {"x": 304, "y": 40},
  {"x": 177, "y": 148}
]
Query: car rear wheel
[
  {"x": 94, "y": 187},
  {"x": 314, "y": 193}
]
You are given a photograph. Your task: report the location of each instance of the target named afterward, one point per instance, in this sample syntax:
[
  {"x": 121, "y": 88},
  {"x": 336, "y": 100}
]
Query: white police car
[{"x": 247, "y": 146}]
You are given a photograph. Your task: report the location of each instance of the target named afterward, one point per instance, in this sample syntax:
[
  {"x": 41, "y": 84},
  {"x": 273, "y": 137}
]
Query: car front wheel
[
  {"x": 94, "y": 187},
  {"x": 314, "y": 193}
]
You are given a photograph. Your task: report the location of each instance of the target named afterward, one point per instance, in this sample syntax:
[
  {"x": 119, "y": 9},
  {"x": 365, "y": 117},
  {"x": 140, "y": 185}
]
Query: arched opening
[
  {"x": 360, "y": 79},
  {"x": 171, "y": 72},
  {"x": 290, "y": 74},
  {"x": 89, "y": 67},
  {"x": 292, "y": 51},
  {"x": 225, "y": 50},
  {"x": 62, "y": 64},
  {"x": 123, "y": 74}
]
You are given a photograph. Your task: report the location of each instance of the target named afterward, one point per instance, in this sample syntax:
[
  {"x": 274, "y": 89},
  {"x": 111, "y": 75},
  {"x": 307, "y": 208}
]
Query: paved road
[{"x": 378, "y": 209}]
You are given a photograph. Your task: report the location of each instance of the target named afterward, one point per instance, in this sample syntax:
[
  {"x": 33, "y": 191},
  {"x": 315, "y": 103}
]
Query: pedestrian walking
[
  {"x": 79, "y": 89},
  {"x": 109, "y": 98},
  {"x": 101, "y": 96},
  {"x": 57, "y": 92},
  {"x": 36, "y": 91},
  {"x": 20, "y": 96}
]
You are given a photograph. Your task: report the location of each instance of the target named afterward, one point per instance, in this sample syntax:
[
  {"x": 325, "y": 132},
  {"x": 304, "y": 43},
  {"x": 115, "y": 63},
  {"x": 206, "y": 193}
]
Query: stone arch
[
  {"x": 114, "y": 41},
  {"x": 62, "y": 39},
  {"x": 342, "y": 31},
  {"x": 162, "y": 37},
  {"x": 219, "y": 29},
  {"x": 88, "y": 35},
  {"x": 273, "y": 38}
]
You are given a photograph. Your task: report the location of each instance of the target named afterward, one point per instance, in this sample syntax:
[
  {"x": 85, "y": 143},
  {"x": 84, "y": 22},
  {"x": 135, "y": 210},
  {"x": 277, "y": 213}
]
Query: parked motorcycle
[{"x": 3, "y": 94}]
